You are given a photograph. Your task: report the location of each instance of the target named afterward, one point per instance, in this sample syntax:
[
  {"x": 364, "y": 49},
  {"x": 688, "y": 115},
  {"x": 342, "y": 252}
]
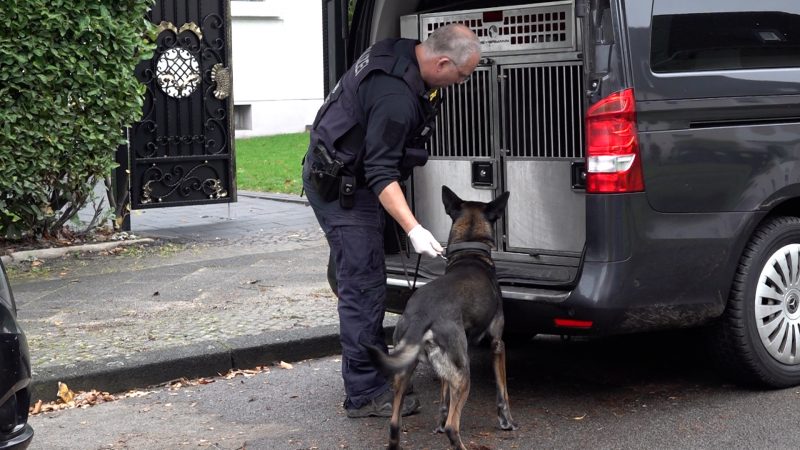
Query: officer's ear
[{"x": 442, "y": 63}]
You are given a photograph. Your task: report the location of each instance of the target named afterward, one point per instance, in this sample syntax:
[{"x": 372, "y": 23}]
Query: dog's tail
[{"x": 405, "y": 353}]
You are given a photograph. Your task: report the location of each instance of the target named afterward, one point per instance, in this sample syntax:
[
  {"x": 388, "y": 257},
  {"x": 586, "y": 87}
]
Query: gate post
[{"x": 119, "y": 196}]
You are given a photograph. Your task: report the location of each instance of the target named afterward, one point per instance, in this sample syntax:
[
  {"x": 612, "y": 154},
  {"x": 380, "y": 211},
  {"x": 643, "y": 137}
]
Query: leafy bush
[{"x": 67, "y": 89}]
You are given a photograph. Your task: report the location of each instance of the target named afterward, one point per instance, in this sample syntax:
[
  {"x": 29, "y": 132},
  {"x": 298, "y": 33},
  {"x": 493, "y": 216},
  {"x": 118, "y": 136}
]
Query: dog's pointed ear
[
  {"x": 452, "y": 203},
  {"x": 497, "y": 207}
]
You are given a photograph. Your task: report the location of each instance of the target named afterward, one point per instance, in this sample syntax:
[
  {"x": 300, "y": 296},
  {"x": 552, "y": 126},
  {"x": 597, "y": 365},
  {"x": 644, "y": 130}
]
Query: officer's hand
[{"x": 424, "y": 243}]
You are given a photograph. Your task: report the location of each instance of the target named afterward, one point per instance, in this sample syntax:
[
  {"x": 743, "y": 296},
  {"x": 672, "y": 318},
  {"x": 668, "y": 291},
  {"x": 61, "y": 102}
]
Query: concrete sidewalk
[{"x": 222, "y": 286}]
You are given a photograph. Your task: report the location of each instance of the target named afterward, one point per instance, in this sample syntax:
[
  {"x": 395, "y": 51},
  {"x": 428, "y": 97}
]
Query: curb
[
  {"x": 191, "y": 361},
  {"x": 57, "y": 252},
  {"x": 288, "y": 198},
  {"x": 196, "y": 360}
]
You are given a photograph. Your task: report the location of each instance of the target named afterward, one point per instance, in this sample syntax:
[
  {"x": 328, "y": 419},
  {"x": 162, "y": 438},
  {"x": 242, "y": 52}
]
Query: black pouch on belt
[
  {"x": 347, "y": 191},
  {"x": 327, "y": 185},
  {"x": 325, "y": 174}
]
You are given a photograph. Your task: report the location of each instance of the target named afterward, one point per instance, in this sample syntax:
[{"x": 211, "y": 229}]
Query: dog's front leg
[
  {"x": 444, "y": 406},
  {"x": 503, "y": 410}
]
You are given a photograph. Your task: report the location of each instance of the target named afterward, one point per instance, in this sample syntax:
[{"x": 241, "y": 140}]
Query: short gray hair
[{"x": 454, "y": 41}]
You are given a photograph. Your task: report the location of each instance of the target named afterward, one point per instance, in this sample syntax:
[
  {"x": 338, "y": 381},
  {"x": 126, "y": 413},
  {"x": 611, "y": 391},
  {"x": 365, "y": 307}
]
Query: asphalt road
[{"x": 633, "y": 392}]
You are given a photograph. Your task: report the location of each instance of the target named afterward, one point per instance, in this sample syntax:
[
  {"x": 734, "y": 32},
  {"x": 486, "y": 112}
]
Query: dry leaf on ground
[
  {"x": 67, "y": 399},
  {"x": 64, "y": 393},
  {"x": 285, "y": 365}
]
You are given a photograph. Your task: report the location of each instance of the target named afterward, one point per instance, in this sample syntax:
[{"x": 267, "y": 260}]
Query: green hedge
[{"x": 67, "y": 88}]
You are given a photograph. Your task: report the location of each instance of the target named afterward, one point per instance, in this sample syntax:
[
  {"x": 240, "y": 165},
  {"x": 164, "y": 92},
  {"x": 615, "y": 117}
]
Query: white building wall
[{"x": 277, "y": 64}]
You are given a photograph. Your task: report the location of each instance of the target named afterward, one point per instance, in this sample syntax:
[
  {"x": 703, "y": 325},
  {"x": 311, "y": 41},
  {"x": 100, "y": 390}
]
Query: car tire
[{"x": 757, "y": 339}]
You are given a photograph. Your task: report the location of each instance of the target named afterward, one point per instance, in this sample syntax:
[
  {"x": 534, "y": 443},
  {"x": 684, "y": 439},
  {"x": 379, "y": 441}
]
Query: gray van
[{"x": 652, "y": 152}]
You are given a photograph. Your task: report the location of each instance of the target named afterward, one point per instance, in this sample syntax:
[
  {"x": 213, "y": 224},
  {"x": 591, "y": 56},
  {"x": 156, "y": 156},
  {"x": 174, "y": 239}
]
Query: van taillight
[{"x": 613, "y": 163}]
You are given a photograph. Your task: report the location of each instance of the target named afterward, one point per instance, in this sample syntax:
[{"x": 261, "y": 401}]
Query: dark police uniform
[{"x": 373, "y": 124}]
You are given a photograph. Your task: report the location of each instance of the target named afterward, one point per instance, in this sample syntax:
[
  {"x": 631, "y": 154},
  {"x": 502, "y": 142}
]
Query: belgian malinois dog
[{"x": 442, "y": 316}]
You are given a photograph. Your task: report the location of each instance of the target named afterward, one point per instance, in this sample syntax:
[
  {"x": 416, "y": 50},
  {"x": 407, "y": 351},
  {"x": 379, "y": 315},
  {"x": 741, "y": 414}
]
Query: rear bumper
[
  {"x": 612, "y": 301},
  {"x": 19, "y": 440},
  {"x": 642, "y": 270},
  {"x": 15, "y": 377}
]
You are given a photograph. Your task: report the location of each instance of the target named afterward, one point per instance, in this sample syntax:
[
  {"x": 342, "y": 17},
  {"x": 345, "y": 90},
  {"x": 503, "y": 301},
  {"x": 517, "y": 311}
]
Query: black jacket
[{"x": 369, "y": 117}]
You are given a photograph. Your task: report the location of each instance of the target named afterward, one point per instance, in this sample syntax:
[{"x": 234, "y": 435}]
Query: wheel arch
[
  {"x": 734, "y": 342},
  {"x": 785, "y": 202}
]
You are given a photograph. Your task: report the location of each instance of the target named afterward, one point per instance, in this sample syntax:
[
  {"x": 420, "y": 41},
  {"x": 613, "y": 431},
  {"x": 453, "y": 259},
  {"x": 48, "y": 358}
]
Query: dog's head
[{"x": 472, "y": 221}]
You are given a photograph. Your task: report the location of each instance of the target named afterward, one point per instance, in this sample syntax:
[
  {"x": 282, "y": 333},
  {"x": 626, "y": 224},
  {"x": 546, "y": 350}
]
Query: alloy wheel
[{"x": 777, "y": 305}]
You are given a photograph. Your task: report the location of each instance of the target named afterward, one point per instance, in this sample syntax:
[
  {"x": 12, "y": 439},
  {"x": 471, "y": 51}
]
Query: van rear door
[{"x": 334, "y": 41}]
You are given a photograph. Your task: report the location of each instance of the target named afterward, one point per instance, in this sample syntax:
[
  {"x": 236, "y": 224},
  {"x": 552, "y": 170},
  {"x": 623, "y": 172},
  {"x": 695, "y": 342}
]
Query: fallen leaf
[
  {"x": 285, "y": 365},
  {"x": 136, "y": 394},
  {"x": 37, "y": 408},
  {"x": 64, "y": 393},
  {"x": 579, "y": 418},
  {"x": 234, "y": 372}
]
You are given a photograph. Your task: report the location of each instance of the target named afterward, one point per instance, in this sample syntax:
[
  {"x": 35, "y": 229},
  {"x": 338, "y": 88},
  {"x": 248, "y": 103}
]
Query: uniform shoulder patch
[{"x": 363, "y": 61}]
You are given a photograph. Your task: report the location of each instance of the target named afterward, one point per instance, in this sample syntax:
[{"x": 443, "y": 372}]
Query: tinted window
[{"x": 724, "y": 35}]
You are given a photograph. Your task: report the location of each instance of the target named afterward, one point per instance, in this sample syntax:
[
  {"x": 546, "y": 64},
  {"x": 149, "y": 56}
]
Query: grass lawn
[{"x": 271, "y": 163}]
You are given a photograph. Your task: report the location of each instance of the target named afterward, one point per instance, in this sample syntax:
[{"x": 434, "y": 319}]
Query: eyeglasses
[{"x": 462, "y": 77}]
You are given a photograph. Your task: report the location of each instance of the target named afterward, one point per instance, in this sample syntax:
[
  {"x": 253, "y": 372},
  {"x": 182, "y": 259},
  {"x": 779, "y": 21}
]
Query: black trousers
[{"x": 355, "y": 237}]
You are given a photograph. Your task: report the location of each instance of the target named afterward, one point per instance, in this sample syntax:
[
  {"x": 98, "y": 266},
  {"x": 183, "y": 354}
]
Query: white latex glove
[{"x": 424, "y": 243}]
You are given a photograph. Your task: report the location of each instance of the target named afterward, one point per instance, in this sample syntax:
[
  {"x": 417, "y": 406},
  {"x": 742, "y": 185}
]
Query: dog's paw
[{"x": 439, "y": 429}]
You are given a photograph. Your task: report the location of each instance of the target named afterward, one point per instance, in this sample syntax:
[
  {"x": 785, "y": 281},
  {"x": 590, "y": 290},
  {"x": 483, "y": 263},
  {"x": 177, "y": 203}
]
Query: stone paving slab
[{"x": 252, "y": 213}]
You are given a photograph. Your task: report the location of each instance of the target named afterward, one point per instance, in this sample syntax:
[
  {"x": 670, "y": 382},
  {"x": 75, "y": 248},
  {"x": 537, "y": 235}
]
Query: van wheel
[{"x": 758, "y": 336}]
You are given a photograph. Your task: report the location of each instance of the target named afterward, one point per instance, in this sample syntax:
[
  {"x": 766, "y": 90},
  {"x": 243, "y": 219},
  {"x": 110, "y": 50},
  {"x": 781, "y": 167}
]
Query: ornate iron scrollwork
[
  {"x": 181, "y": 150},
  {"x": 175, "y": 180},
  {"x": 191, "y": 26},
  {"x": 178, "y": 72}
]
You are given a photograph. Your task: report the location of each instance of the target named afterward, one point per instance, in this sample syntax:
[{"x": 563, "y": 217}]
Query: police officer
[{"x": 367, "y": 136}]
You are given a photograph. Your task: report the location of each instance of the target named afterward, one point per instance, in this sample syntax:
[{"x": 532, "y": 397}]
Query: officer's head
[{"x": 448, "y": 56}]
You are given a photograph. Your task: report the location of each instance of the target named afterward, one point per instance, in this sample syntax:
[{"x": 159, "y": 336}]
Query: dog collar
[{"x": 465, "y": 246}]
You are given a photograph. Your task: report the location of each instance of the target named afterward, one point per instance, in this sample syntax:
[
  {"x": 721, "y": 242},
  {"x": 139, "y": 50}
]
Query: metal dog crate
[
  {"x": 525, "y": 28},
  {"x": 521, "y": 115}
]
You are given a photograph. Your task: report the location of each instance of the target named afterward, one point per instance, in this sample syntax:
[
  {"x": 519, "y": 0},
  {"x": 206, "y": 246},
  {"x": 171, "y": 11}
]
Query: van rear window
[{"x": 701, "y": 40}]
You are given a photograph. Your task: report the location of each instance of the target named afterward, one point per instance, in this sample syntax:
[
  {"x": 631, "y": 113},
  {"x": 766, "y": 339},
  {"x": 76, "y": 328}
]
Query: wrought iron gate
[{"x": 181, "y": 152}]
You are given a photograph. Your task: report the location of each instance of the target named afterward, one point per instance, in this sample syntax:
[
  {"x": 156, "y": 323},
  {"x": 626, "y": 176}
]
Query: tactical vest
[{"x": 341, "y": 111}]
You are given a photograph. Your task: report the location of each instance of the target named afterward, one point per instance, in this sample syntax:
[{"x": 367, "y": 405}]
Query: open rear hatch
[{"x": 515, "y": 125}]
